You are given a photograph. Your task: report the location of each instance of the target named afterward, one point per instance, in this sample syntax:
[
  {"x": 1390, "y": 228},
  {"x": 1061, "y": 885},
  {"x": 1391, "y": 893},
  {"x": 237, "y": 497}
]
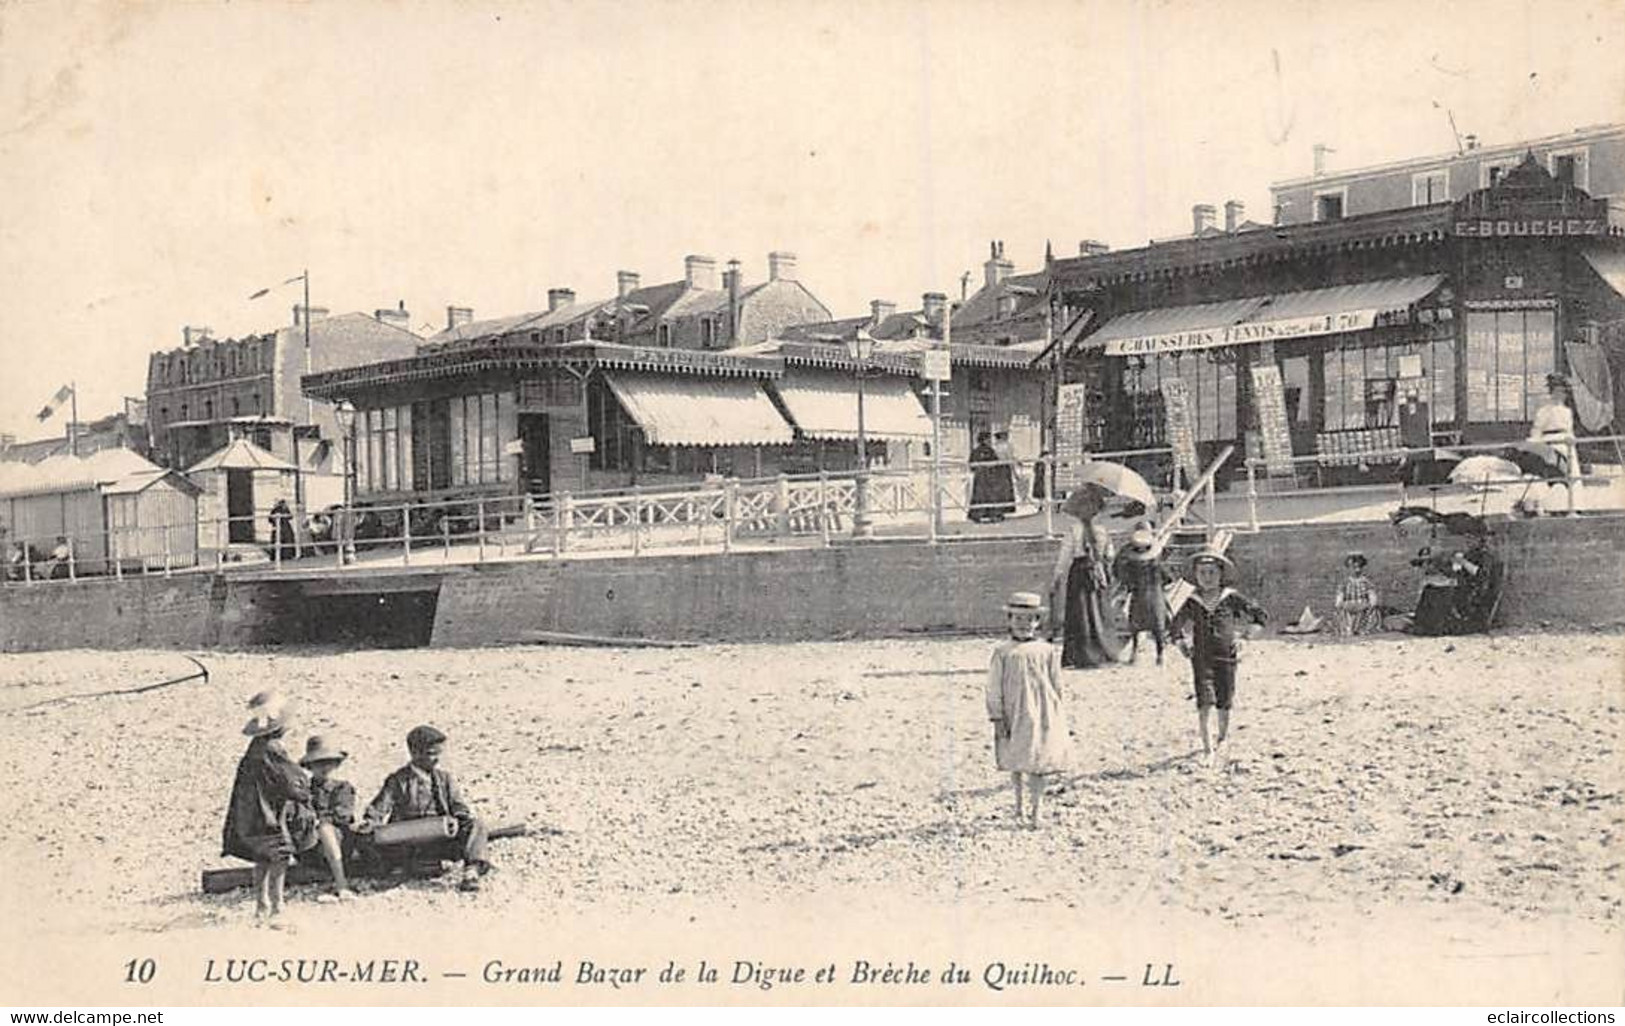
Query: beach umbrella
[
  {"x": 1117, "y": 480},
  {"x": 1484, "y": 469}
]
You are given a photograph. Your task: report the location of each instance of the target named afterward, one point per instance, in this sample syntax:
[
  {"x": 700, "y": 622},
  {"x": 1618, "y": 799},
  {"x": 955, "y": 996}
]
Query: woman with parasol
[{"x": 1083, "y": 567}]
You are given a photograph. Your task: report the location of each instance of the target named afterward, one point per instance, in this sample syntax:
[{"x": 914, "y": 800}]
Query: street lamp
[
  {"x": 861, "y": 347},
  {"x": 344, "y": 528}
]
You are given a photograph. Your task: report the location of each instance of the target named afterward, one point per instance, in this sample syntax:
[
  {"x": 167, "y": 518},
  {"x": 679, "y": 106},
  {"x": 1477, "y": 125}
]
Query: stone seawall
[{"x": 1559, "y": 573}]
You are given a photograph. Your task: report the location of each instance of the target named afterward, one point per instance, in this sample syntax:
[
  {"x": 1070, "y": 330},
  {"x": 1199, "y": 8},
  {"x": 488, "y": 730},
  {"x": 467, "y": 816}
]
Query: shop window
[
  {"x": 1509, "y": 354},
  {"x": 611, "y": 429},
  {"x": 375, "y": 453},
  {"x": 1429, "y": 187},
  {"x": 363, "y": 466}
]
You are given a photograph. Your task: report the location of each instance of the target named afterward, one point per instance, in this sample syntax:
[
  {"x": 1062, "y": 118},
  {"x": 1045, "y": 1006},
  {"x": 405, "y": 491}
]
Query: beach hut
[
  {"x": 240, "y": 483},
  {"x": 112, "y": 503}
]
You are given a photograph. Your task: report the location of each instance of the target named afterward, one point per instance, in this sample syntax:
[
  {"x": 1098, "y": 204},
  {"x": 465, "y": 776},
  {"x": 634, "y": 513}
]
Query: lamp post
[
  {"x": 861, "y": 347},
  {"x": 344, "y": 528}
]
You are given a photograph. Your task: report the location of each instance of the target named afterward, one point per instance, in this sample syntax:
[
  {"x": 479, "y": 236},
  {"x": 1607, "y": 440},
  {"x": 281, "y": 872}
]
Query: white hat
[{"x": 268, "y": 713}]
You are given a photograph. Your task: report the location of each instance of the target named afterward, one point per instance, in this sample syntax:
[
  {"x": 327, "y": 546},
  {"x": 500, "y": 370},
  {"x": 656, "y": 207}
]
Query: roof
[
  {"x": 133, "y": 484},
  {"x": 826, "y": 406},
  {"x": 71, "y": 473},
  {"x": 1610, "y": 264},
  {"x": 1260, "y": 318},
  {"x": 241, "y": 454},
  {"x": 983, "y": 305},
  {"x": 1574, "y": 137},
  {"x": 700, "y": 411}
]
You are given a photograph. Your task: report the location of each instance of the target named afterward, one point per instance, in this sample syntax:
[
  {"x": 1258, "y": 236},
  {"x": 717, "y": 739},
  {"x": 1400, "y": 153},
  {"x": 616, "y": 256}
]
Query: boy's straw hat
[
  {"x": 317, "y": 750},
  {"x": 1227, "y": 569},
  {"x": 268, "y": 713},
  {"x": 1024, "y": 602}
]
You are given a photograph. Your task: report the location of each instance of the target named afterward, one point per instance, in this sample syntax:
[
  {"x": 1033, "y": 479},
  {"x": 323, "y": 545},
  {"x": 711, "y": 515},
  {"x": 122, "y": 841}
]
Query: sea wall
[{"x": 1560, "y": 572}]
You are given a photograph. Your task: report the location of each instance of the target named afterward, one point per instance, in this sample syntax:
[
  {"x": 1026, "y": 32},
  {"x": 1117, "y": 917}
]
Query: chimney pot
[
  {"x": 396, "y": 316},
  {"x": 700, "y": 272},
  {"x": 781, "y": 266},
  {"x": 626, "y": 283},
  {"x": 880, "y": 310},
  {"x": 1471, "y": 141},
  {"x": 1202, "y": 218},
  {"x": 1320, "y": 152},
  {"x": 1235, "y": 212},
  {"x": 457, "y": 316},
  {"x": 315, "y": 313},
  {"x": 559, "y": 297},
  {"x": 191, "y": 336},
  {"x": 934, "y": 305},
  {"x": 997, "y": 267}
]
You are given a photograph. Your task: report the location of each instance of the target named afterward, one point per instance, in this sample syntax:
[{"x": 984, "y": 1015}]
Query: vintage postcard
[{"x": 812, "y": 503}]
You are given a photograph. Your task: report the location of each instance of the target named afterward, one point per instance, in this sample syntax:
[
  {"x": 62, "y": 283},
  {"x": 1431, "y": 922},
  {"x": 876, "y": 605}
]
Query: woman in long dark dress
[
  {"x": 269, "y": 818},
  {"x": 1084, "y": 568},
  {"x": 992, "y": 488}
]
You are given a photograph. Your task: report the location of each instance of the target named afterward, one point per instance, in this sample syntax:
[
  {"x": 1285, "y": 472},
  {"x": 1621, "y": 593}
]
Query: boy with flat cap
[{"x": 421, "y": 789}]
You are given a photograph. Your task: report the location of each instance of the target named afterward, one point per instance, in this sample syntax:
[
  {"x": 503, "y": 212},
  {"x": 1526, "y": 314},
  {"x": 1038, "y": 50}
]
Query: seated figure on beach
[
  {"x": 334, "y": 803},
  {"x": 1356, "y": 599},
  {"x": 422, "y": 789}
]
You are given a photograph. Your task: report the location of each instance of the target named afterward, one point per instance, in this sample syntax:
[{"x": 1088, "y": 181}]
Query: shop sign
[
  {"x": 1241, "y": 334},
  {"x": 581, "y": 446},
  {"x": 936, "y": 365},
  {"x": 1505, "y": 228},
  {"x": 677, "y": 359}
]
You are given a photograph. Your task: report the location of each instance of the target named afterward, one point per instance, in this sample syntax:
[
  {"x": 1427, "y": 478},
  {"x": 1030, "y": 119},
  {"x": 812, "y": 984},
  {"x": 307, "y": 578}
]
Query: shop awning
[
  {"x": 1610, "y": 264},
  {"x": 1277, "y": 317},
  {"x": 829, "y": 408},
  {"x": 700, "y": 411}
]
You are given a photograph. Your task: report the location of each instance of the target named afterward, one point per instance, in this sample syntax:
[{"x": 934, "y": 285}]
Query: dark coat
[
  {"x": 269, "y": 816},
  {"x": 409, "y": 793}
]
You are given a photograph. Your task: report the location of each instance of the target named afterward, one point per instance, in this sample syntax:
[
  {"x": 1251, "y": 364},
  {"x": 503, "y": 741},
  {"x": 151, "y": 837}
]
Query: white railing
[{"x": 721, "y": 515}]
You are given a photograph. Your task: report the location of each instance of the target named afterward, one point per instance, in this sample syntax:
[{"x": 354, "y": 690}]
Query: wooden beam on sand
[
  {"x": 599, "y": 641},
  {"x": 220, "y": 881}
]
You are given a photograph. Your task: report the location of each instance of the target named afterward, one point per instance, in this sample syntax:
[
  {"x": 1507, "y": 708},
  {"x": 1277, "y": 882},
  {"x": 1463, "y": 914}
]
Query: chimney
[
  {"x": 781, "y": 266},
  {"x": 1235, "y": 212},
  {"x": 997, "y": 267},
  {"x": 457, "y": 316},
  {"x": 934, "y": 305},
  {"x": 1320, "y": 151},
  {"x": 1202, "y": 218},
  {"x": 626, "y": 283},
  {"x": 1092, "y": 247},
  {"x": 191, "y": 336},
  {"x": 1471, "y": 141},
  {"x": 880, "y": 310},
  {"x": 397, "y": 317},
  {"x": 700, "y": 272},
  {"x": 730, "y": 281},
  {"x": 559, "y": 297},
  {"x": 316, "y": 314}
]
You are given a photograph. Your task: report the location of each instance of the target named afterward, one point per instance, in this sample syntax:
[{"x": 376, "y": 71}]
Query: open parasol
[
  {"x": 1118, "y": 481},
  {"x": 1485, "y": 469}
]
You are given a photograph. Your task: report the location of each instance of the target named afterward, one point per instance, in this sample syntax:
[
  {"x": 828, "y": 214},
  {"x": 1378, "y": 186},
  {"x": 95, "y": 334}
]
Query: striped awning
[
  {"x": 1609, "y": 265},
  {"x": 700, "y": 411},
  {"x": 827, "y": 407},
  {"x": 1286, "y": 315}
]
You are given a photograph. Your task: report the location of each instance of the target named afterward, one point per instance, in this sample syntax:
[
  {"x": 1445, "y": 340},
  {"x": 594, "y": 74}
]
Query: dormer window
[
  {"x": 708, "y": 333},
  {"x": 1571, "y": 167},
  {"x": 1329, "y": 204},
  {"x": 663, "y": 335}
]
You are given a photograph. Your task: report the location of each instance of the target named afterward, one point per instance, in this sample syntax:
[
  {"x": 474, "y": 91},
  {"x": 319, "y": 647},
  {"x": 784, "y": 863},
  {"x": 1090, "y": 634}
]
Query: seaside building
[
  {"x": 210, "y": 392},
  {"x": 1421, "y": 324}
]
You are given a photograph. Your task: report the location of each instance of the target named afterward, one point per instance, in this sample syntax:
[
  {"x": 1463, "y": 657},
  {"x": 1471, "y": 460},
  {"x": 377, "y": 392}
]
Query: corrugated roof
[
  {"x": 241, "y": 454},
  {"x": 140, "y": 482},
  {"x": 71, "y": 473},
  {"x": 701, "y": 411},
  {"x": 827, "y": 407}
]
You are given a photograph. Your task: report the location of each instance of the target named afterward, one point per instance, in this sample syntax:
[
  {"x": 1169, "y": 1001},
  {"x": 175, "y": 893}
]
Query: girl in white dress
[{"x": 1030, "y": 733}]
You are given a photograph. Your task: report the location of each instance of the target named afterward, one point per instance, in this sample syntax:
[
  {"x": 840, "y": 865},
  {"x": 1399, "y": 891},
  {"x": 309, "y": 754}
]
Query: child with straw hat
[{"x": 1024, "y": 702}]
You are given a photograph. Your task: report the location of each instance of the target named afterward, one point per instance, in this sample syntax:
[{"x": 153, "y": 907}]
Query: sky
[{"x": 161, "y": 161}]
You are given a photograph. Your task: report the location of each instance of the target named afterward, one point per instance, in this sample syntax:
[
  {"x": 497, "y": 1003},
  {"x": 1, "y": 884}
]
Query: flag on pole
[
  {"x": 267, "y": 289},
  {"x": 63, "y": 394}
]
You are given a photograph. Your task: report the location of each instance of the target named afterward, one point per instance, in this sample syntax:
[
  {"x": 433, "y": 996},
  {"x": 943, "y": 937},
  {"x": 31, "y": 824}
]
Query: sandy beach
[{"x": 1447, "y": 780}]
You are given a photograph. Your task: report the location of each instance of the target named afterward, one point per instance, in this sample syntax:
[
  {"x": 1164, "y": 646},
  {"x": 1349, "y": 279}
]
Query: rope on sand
[{"x": 203, "y": 672}]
